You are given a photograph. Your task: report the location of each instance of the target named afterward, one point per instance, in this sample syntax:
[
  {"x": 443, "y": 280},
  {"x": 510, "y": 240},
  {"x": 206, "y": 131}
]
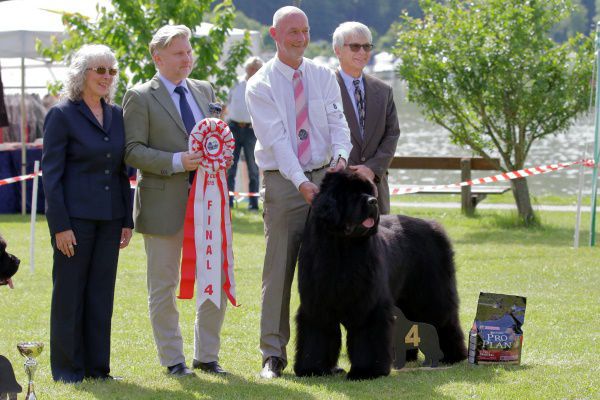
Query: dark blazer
[
  {"x": 381, "y": 133},
  {"x": 83, "y": 171}
]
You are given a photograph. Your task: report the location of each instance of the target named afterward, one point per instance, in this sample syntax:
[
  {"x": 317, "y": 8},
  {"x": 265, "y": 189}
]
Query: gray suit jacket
[
  {"x": 154, "y": 131},
  {"x": 381, "y": 133}
]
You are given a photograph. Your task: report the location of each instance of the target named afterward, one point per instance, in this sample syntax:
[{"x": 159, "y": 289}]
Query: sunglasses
[
  {"x": 103, "y": 70},
  {"x": 355, "y": 47}
]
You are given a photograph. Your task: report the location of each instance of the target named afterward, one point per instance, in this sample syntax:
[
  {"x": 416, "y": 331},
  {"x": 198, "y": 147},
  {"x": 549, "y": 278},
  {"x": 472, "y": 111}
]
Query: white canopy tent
[{"x": 24, "y": 22}]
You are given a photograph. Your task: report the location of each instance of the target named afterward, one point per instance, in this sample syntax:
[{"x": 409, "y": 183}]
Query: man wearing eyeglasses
[
  {"x": 159, "y": 116},
  {"x": 369, "y": 109}
]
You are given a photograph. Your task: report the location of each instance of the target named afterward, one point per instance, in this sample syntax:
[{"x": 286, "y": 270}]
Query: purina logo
[{"x": 212, "y": 146}]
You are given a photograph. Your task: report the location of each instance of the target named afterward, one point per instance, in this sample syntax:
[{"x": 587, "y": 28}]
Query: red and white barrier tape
[
  {"x": 395, "y": 189},
  {"x": 506, "y": 176},
  {"x": 6, "y": 181},
  {"x": 133, "y": 184}
]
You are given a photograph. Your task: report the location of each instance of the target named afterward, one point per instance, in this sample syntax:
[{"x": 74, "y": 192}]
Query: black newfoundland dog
[
  {"x": 9, "y": 264},
  {"x": 354, "y": 266}
]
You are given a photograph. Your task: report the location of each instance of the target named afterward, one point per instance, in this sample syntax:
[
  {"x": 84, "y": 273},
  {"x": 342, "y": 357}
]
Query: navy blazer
[{"x": 83, "y": 171}]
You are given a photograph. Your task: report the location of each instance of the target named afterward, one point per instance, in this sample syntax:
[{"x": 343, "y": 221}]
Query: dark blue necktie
[
  {"x": 187, "y": 116},
  {"x": 186, "y": 112}
]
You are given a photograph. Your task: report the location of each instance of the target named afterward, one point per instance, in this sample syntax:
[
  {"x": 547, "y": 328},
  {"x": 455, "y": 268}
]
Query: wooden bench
[{"x": 470, "y": 195}]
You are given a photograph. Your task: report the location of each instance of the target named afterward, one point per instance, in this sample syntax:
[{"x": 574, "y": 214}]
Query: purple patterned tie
[
  {"x": 302, "y": 125},
  {"x": 360, "y": 105}
]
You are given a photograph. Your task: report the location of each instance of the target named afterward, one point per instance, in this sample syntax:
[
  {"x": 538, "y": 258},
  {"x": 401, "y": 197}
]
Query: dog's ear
[
  {"x": 2, "y": 244},
  {"x": 325, "y": 208}
]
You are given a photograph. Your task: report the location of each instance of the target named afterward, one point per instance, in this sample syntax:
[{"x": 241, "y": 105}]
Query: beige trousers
[
  {"x": 164, "y": 256},
  {"x": 285, "y": 212}
]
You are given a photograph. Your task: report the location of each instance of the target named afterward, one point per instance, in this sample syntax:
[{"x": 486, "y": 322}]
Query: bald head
[
  {"x": 291, "y": 34},
  {"x": 285, "y": 12}
]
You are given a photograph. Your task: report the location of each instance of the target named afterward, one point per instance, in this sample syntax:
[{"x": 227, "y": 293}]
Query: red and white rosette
[{"x": 207, "y": 242}]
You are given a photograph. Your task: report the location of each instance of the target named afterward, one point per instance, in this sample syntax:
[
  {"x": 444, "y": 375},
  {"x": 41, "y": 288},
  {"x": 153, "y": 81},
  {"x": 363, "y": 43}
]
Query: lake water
[{"x": 422, "y": 138}]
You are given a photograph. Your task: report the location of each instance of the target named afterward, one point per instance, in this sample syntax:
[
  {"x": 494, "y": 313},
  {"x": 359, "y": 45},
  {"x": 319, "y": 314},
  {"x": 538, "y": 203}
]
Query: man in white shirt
[
  {"x": 298, "y": 120},
  {"x": 238, "y": 119}
]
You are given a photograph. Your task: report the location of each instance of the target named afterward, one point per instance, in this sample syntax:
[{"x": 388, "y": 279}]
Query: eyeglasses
[
  {"x": 355, "y": 47},
  {"x": 103, "y": 70}
]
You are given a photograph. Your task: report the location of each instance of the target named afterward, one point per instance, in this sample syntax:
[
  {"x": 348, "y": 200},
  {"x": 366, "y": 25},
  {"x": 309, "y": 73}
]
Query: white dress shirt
[
  {"x": 271, "y": 103},
  {"x": 236, "y": 105},
  {"x": 349, "y": 82},
  {"x": 198, "y": 114}
]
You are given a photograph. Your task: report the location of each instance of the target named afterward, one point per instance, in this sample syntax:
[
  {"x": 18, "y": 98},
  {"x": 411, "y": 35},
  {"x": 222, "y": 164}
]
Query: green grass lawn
[{"x": 561, "y": 331}]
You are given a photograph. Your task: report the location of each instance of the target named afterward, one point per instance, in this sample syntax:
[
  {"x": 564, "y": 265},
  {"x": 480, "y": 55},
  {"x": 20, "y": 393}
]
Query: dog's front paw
[{"x": 360, "y": 374}]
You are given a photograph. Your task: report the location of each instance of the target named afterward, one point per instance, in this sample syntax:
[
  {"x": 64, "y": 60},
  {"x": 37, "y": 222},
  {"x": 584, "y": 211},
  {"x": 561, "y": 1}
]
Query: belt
[{"x": 241, "y": 124}]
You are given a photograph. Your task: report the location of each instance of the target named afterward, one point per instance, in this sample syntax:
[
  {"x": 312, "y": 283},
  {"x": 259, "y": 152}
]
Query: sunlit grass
[{"x": 493, "y": 254}]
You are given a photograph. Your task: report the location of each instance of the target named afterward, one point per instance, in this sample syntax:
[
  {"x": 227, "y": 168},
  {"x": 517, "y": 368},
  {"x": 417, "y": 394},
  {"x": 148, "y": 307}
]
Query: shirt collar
[
  {"x": 349, "y": 80},
  {"x": 171, "y": 86},
  {"x": 286, "y": 70}
]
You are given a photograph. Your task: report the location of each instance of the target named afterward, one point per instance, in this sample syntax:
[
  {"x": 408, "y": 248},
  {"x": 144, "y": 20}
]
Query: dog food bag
[{"x": 496, "y": 336}]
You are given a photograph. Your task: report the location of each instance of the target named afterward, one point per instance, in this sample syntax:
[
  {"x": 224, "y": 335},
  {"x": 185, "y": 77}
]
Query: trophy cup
[{"x": 30, "y": 350}]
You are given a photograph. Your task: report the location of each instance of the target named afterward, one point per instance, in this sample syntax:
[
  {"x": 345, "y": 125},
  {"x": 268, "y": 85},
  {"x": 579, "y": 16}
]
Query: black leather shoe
[
  {"x": 180, "y": 370},
  {"x": 273, "y": 368},
  {"x": 213, "y": 367}
]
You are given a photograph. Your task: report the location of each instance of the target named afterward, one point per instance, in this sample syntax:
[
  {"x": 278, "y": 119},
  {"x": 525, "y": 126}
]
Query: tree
[
  {"x": 576, "y": 21},
  {"x": 128, "y": 29},
  {"x": 488, "y": 72}
]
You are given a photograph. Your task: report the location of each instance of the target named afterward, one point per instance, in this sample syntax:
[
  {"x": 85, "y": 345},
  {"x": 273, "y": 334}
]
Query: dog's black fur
[
  {"x": 354, "y": 266},
  {"x": 9, "y": 264}
]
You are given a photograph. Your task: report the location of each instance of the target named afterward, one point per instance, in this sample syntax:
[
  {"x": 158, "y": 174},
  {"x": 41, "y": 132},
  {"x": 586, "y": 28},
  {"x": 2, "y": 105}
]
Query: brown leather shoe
[
  {"x": 212, "y": 367},
  {"x": 180, "y": 370},
  {"x": 273, "y": 368}
]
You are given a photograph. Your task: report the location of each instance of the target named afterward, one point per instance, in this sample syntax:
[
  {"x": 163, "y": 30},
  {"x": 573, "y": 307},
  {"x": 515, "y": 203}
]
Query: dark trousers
[
  {"x": 82, "y": 301},
  {"x": 244, "y": 140}
]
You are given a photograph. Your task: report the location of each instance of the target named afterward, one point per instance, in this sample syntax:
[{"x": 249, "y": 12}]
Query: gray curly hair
[{"x": 84, "y": 57}]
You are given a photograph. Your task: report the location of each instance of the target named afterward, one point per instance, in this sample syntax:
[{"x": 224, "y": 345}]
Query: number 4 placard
[{"x": 415, "y": 335}]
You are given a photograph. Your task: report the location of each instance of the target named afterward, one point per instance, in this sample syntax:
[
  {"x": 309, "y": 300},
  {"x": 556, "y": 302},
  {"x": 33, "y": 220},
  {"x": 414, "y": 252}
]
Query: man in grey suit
[
  {"x": 159, "y": 115},
  {"x": 369, "y": 109}
]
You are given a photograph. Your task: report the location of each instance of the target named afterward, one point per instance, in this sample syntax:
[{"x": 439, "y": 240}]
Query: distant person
[
  {"x": 159, "y": 116},
  {"x": 88, "y": 208},
  {"x": 297, "y": 116},
  {"x": 49, "y": 100},
  {"x": 239, "y": 122},
  {"x": 369, "y": 108}
]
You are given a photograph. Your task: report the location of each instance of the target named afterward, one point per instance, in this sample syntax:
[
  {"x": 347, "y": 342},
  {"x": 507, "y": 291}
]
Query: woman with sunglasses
[{"x": 88, "y": 211}]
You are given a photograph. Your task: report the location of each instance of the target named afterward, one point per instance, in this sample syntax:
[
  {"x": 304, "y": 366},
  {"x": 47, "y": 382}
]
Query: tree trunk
[{"x": 523, "y": 201}]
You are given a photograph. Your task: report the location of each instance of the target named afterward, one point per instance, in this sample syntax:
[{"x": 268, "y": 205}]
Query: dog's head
[
  {"x": 346, "y": 205},
  {"x": 9, "y": 264}
]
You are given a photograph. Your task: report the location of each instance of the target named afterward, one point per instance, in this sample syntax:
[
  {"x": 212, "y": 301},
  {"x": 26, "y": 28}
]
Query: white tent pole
[
  {"x": 34, "y": 197},
  {"x": 23, "y": 137}
]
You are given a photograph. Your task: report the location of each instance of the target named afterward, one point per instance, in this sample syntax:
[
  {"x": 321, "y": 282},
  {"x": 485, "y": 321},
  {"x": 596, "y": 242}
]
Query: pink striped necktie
[{"x": 302, "y": 125}]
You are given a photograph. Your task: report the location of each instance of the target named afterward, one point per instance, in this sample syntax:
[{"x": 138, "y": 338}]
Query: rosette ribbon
[{"x": 207, "y": 255}]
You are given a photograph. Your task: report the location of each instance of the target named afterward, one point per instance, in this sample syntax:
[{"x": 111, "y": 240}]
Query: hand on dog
[
  {"x": 308, "y": 190},
  {"x": 7, "y": 282},
  {"x": 363, "y": 171},
  {"x": 126, "y": 234},
  {"x": 66, "y": 242}
]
